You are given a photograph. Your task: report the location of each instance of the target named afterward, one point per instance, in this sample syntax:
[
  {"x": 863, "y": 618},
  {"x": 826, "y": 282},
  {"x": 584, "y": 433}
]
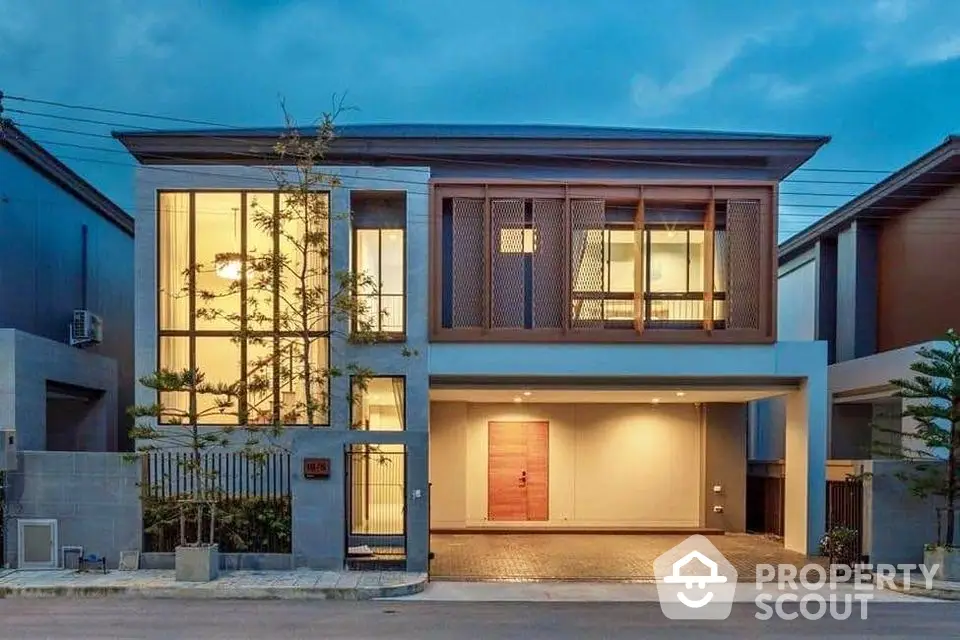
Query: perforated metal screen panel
[
  {"x": 510, "y": 241},
  {"x": 548, "y": 264},
  {"x": 468, "y": 262},
  {"x": 743, "y": 273},
  {"x": 586, "y": 260}
]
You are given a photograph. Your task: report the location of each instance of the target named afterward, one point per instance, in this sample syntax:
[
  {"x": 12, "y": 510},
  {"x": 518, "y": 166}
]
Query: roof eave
[
  {"x": 21, "y": 145},
  {"x": 826, "y": 225}
]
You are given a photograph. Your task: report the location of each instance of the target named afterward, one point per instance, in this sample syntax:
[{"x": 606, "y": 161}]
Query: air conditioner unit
[
  {"x": 8, "y": 450},
  {"x": 86, "y": 328}
]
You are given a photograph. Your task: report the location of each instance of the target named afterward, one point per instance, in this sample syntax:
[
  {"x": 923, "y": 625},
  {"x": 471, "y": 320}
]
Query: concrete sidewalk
[{"x": 259, "y": 585}]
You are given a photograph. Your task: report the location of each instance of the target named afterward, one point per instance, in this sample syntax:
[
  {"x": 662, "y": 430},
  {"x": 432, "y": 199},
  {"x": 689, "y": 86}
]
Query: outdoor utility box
[{"x": 8, "y": 450}]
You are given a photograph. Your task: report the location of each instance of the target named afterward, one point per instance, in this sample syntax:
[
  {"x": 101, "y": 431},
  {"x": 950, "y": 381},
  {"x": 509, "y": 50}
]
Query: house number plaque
[{"x": 314, "y": 468}]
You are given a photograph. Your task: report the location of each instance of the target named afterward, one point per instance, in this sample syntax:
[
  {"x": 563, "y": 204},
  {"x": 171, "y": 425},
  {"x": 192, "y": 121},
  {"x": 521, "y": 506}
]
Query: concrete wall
[
  {"x": 796, "y": 301},
  {"x": 896, "y": 523},
  {"x": 93, "y": 496},
  {"x": 629, "y": 465},
  {"x": 40, "y": 263},
  {"x": 318, "y": 511},
  {"x": 725, "y": 465},
  {"x": 27, "y": 363}
]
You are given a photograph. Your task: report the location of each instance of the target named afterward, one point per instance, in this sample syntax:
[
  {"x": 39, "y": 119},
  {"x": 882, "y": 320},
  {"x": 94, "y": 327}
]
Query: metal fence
[
  {"x": 253, "y": 501},
  {"x": 845, "y": 508},
  {"x": 765, "y": 506},
  {"x": 376, "y": 499}
]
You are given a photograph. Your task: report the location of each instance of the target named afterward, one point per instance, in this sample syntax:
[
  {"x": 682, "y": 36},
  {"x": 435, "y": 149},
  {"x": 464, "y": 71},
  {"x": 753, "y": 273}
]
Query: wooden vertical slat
[
  {"x": 638, "y": 259},
  {"x": 566, "y": 259},
  {"x": 709, "y": 224}
]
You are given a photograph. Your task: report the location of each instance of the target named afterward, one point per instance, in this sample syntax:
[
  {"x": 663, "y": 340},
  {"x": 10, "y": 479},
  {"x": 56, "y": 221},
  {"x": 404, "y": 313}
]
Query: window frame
[
  {"x": 382, "y": 336},
  {"x": 353, "y": 401},
  {"x": 192, "y": 333}
]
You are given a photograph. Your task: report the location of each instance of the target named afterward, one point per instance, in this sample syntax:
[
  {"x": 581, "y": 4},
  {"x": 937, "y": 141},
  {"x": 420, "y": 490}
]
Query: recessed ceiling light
[
  {"x": 680, "y": 394},
  {"x": 655, "y": 400},
  {"x": 528, "y": 393},
  {"x": 518, "y": 399}
]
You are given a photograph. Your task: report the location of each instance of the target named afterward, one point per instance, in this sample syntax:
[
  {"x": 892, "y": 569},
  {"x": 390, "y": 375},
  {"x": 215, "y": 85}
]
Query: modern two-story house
[
  {"x": 576, "y": 317},
  {"x": 874, "y": 280}
]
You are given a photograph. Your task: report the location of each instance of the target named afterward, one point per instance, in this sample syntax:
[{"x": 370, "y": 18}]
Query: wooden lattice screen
[
  {"x": 743, "y": 258},
  {"x": 468, "y": 262}
]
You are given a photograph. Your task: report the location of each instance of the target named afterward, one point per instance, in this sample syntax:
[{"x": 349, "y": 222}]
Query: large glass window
[
  {"x": 379, "y": 262},
  {"x": 242, "y": 287},
  {"x": 378, "y": 404}
]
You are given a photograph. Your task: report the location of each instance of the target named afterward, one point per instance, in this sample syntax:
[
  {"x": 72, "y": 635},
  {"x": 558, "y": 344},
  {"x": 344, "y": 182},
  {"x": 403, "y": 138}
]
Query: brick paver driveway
[{"x": 587, "y": 557}]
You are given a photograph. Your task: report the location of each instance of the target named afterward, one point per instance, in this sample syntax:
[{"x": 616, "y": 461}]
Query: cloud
[
  {"x": 940, "y": 50},
  {"x": 654, "y": 97},
  {"x": 893, "y": 11}
]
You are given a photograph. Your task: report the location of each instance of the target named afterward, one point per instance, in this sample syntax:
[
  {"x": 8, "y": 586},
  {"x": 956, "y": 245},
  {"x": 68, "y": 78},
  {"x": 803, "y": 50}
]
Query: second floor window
[{"x": 379, "y": 260}]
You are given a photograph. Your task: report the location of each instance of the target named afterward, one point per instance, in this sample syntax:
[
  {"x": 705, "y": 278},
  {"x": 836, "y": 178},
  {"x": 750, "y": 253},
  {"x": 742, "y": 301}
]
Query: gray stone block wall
[{"x": 93, "y": 496}]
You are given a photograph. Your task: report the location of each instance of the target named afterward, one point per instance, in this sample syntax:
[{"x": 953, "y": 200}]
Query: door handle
[{"x": 523, "y": 478}]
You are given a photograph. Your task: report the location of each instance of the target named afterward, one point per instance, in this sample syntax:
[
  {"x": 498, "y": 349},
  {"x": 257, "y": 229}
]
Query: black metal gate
[
  {"x": 375, "y": 501},
  {"x": 845, "y": 508}
]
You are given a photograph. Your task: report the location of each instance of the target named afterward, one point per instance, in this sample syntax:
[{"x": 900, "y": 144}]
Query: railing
[
  {"x": 253, "y": 500},
  {"x": 384, "y": 312},
  {"x": 661, "y": 310}
]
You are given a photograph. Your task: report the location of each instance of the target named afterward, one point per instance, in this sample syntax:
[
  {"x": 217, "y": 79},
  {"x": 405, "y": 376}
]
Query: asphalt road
[{"x": 137, "y": 618}]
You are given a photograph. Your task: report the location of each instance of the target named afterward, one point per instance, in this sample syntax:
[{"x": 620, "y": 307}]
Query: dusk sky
[{"x": 880, "y": 76}]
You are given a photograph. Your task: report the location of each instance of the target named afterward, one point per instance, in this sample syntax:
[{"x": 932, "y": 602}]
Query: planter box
[
  {"x": 949, "y": 560},
  {"x": 197, "y": 564}
]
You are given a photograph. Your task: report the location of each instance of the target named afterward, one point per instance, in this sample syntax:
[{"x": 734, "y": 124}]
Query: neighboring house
[
  {"x": 66, "y": 361},
  {"x": 65, "y": 248},
  {"x": 571, "y": 370},
  {"x": 875, "y": 280}
]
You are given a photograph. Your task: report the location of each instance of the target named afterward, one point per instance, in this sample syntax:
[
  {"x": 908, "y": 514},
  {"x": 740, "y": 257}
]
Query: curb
[
  {"x": 923, "y": 592},
  {"x": 221, "y": 593}
]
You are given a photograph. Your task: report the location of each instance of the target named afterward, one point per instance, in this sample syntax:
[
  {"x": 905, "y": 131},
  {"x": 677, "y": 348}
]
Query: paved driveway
[{"x": 586, "y": 557}]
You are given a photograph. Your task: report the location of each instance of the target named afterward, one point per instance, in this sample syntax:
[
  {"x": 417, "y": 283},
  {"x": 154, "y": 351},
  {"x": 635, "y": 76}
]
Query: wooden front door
[{"x": 518, "y": 471}]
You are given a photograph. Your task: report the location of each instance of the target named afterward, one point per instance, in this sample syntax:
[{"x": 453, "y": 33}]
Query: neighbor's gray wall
[
  {"x": 41, "y": 240},
  {"x": 319, "y": 536},
  {"x": 725, "y": 464},
  {"x": 93, "y": 496},
  {"x": 27, "y": 362},
  {"x": 856, "y": 334},
  {"x": 896, "y": 523},
  {"x": 851, "y": 431}
]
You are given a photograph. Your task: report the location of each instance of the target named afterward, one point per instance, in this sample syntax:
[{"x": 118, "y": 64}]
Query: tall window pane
[
  {"x": 304, "y": 243},
  {"x": 218, "y": 359},
  {"x": 217, "y": 238},
  {"x": 380, "y": 406},
  {"x": 668, "y": 261},
  {"x": 174, "y": 260},
  {"x": 296, "y": 407},
  {"x": 261, "y": 372},
  {"x": 696, "y": 265},
  {"x": 260, "y": 278},
  {"x": 175, "y": 356},
  {"x": 368, "y": 273},
  {"x": 391, "y": 277}
]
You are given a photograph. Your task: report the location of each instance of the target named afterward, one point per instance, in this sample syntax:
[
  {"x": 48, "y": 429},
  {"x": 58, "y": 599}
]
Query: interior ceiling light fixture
[
  {"x": 518, "y": 399},
  {"x": 655, "y": 400},
  {"x": 229, "y": 265},
  {"x": 680, "y": 394},
  {"x": 528, "y": 393}
]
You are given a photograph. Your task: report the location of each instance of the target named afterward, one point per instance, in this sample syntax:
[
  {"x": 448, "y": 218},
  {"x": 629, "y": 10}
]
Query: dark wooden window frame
[
  {"x": 192, "y": 333},
  {"x": 706, "y": 192}
]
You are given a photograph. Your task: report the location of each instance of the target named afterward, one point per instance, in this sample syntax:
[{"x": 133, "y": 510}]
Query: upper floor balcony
[{"x": 667, "y": 262}]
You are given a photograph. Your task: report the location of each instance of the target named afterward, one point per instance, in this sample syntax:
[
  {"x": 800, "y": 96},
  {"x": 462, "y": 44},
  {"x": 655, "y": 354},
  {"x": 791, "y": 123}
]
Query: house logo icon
[{"x": 695, "y": 581}]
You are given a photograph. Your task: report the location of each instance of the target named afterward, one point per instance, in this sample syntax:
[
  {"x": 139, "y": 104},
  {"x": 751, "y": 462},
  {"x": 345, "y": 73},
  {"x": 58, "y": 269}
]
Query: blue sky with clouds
[{"x": 881, "y": 76}]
